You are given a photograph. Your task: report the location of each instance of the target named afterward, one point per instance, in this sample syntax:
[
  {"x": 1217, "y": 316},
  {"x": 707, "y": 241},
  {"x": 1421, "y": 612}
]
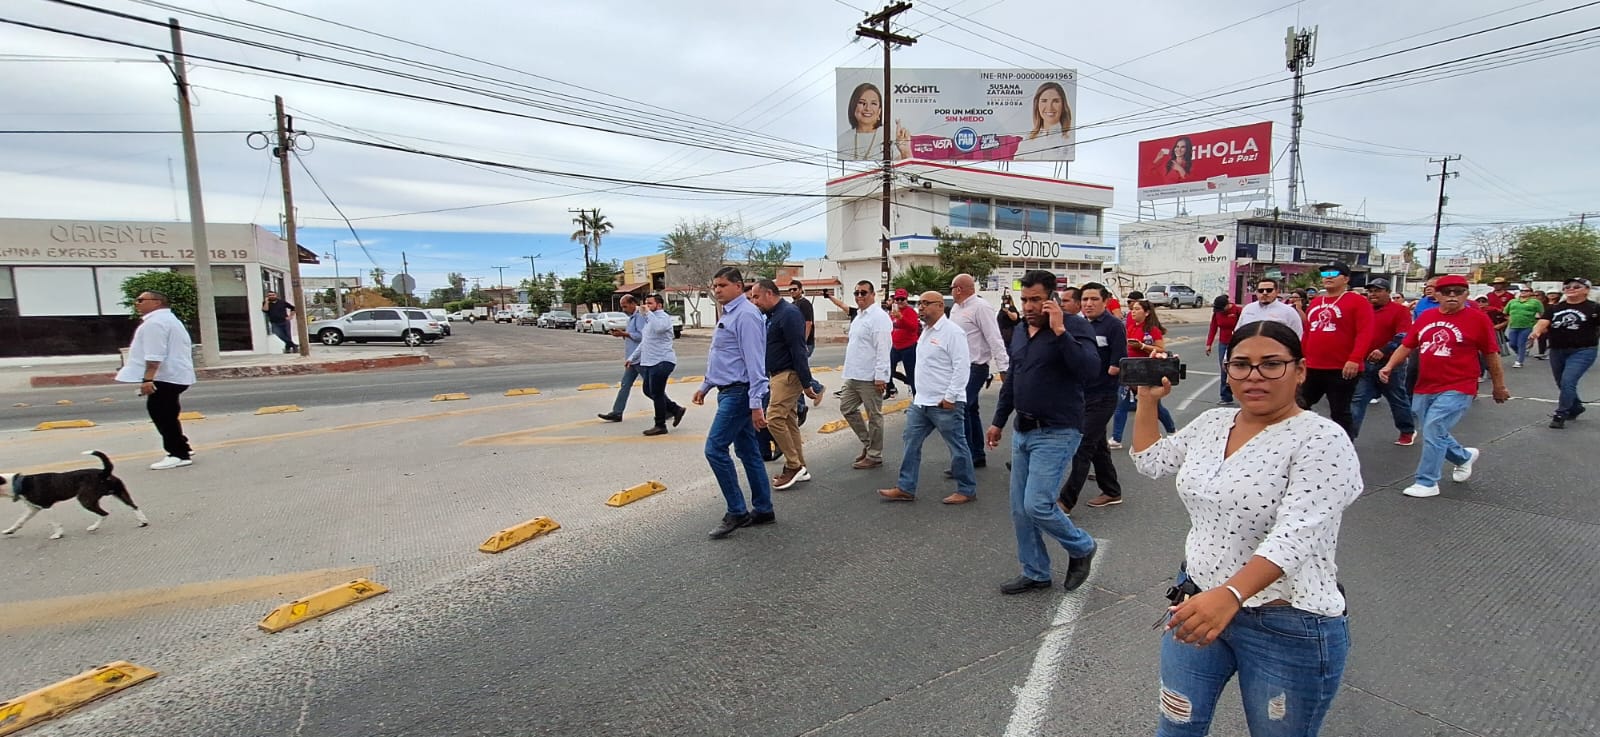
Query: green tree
[
  {"x": 1553, "y": 252},
  {"x": 698, "y": 248},
  {"x": 541, "y": 291},
  {"x": 977, "y": 254},
  {"x": 923, "y": 278},
  {"x": 377, "y": 276},
  {"x": 594, "y": 287},
  {"x": 179, "y": 288},
  {"x": 592, "y": 227},
  {"x": 764, "y": 261}
]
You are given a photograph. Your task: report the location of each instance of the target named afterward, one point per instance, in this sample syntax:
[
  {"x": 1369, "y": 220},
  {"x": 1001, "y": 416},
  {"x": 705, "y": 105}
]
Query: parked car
[
  {"x": 559, "y": 319},
  {"x": 411, "y": 326},
  {"x": 1173, "y": 295},
  {"x": 606, "y": 322},
  {"x": 504, "y": 316},
  {"x": 584, "y": 321},
  {"x": 527, "y": 318},
  {"x": 441, "y": 317}
]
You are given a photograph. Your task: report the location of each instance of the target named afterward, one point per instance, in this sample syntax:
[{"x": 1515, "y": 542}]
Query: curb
[
  {"x": 244, "y": 372},
  {"x": 320, "y": 603},
  {"x": 61, "y": 697}
]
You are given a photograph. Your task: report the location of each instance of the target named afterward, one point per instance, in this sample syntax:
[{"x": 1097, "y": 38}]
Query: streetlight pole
[
  {"x": 338, "y": 297},
  {"x": 502, "y": 284}
]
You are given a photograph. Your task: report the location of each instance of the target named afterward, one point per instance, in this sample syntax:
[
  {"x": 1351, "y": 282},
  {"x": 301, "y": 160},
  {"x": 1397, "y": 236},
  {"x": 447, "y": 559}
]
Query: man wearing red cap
[
  {"x": 1450, "y": 340},
  {"x": 1338, "y": 337},
  {"x": 903, "y": 339}
]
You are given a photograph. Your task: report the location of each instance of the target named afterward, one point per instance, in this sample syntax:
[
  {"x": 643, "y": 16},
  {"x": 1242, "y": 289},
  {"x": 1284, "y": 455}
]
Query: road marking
[
  {"x": 1033, "y": 698},
  {"x": 1197, "y": 392},
  {"x": 528, "y": 437}
]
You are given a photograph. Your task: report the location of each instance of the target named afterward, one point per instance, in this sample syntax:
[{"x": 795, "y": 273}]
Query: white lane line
[
  {"x": 1033, "y": 697},
  {"x": 1197, "y": 392}
]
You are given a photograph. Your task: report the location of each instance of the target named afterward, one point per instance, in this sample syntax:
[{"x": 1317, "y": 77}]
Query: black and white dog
[{"x": 43, "y": 490}]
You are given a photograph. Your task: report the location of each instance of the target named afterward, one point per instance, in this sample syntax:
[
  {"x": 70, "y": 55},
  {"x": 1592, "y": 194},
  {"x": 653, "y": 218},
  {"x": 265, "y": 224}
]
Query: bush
[{"x": 179, "y": 288}]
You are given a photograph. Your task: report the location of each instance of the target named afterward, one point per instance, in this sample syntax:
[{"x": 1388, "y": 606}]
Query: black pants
[
  {"x": 162, "y": 404},
  {"x": 1340, "y": 391},
  {"x": 1093, "y": 450},
  {"x": 655, "y": 387}
]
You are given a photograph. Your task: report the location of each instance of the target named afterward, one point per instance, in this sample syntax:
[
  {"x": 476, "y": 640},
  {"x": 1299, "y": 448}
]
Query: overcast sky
[{"x": 757, "y": 75}]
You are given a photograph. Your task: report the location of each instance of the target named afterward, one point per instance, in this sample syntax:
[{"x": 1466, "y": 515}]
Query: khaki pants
[
  {"x": 783, "y": 419},
  {"x": 858, "y": 394}
]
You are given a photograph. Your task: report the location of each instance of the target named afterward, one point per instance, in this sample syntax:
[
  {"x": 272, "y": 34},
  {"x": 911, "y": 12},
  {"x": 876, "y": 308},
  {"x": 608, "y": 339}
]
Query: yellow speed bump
[
  {"x": 451, "y": 397},
  {"x": 59, "y": 698},
  {"x": 320, "y": 603},
  {"x": 635, "y": 493},
  {"x": 518, "y": 534},
  {"x": 832, "y": 427},
  {"x": 278, "y": 409},
  {"x": 592, "y": 387},
  {"x": 105, "y": 400},
  {"x": 899, "y": 406},
  {"x": 525, "y": 392},
  {"x": 821, "y": 369},
  {"x": 189, "y": 416},
  {"x": 63, "y": 403},
  {"x": 64, "y": 424}
]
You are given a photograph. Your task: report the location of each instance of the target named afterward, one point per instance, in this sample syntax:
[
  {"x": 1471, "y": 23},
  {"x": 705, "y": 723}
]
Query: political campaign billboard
[
  {"x": 958, "y": 114},
  {"x": 1209, "y": 162}
]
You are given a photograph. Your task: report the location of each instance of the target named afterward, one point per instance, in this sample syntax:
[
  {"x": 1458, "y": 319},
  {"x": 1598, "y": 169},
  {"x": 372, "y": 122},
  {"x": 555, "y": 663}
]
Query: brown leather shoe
[
  {"x": 896, "y": 495},
  {"x": 867, "y": 463},
  {"x": 959, "y": 498},
  {"x": 861, "y": 456},
  {"x": 1104, "y": 501}
]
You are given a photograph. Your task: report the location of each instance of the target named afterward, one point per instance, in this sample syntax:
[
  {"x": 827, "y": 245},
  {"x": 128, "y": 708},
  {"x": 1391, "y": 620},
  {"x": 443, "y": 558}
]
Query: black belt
[
  {"x": 1029, "y": 423},
  {"x": 736, "y": 384}
]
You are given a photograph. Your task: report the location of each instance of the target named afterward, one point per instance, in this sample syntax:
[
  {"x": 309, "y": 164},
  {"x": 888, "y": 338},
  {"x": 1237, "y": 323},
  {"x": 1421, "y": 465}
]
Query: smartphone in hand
[{"x": 1150, "y": 371}]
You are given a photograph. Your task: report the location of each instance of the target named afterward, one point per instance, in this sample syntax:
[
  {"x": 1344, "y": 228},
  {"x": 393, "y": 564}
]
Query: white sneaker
[
  {"x": 1114, "y": 444},
  {"x": 1464, "y": 471},
  {"x": 1419, "y": 491},
  {"x": 1375, "y": 400},
  {"x": 803, "y": 475},
  {"x": 170, "y": 462},
  {"x": 1517, "y": 364}
]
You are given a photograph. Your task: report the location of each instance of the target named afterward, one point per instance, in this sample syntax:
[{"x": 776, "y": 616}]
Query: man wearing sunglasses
[
  {"x": 866, "y": 373},
  {"x": 1573, "y": 325},
  {"x": 1268, "y": 307},
  {"x": 1449, "y": 340},
  {"x": 1337, "y": 340},
  {"x": 161, "y": 362}
]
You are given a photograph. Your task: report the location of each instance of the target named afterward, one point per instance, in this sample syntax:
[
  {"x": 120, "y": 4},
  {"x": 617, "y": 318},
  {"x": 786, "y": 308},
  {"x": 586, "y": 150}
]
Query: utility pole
[
  {"x": 405, "y": 274},
  {"x": 1438, "y": 215},
  {"x": 283, "y": 143},
  {"x": 583, "y": 226},
  {"x": 338, "y": 298},
  {"x": 502, "y": 284},
  {"x": 1300, "y": 52},
  {"x": 533, "y": 270},
  {"x": 210, "y": 352},
  {"x": 1582, "y": 216},
  {"x": 887, "y": 38}
]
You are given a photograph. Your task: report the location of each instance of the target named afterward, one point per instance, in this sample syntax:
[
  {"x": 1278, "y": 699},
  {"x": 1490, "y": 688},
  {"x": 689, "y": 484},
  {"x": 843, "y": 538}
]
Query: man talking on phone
[{"x": 1051, "y": 360}]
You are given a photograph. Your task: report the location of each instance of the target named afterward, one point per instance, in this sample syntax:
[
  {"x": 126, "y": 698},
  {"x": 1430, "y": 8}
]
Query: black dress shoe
[
  {"x": 1022, "y": 585},
  {"x": 677, "y": 414},
  {"x": 610, "y": 416},
  {"x": 1078, "y": 570},
  {"x": 730, "y": 522},
  {"x": 980, "y": 464},
  {"x": 763, "y": 518},
  {"x": 657, "y": 430}
]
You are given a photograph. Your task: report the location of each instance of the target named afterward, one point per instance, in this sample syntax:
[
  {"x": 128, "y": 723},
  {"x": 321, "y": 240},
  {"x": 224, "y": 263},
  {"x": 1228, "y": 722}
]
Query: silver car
[{"x": 409, "y": 325}]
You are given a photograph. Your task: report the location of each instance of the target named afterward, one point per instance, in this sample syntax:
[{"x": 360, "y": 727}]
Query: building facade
[{"x": 61, "y": 282}]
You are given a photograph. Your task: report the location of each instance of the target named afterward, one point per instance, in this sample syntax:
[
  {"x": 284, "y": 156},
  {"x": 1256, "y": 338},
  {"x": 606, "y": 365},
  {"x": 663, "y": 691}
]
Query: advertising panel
[
  {"x": 1226, "y": 160},
  {"x": 958, "y": 114}
]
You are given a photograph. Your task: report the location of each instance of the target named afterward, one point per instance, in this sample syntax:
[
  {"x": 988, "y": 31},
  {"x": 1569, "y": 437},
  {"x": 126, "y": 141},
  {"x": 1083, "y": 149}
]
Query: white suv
[{"x": 409, "y": 325}]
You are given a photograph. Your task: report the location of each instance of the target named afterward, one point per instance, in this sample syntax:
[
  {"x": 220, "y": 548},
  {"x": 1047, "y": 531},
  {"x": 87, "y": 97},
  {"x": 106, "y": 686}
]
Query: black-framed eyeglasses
[
  {"x": 860, "y": 293},
  {"x": 1269, "y": 369}
]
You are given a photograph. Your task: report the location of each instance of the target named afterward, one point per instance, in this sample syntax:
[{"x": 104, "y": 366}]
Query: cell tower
[{"x": 1300, "y": 52}]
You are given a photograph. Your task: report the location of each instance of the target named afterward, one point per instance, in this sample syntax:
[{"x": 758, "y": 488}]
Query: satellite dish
[{"x": 403, "y": 283}]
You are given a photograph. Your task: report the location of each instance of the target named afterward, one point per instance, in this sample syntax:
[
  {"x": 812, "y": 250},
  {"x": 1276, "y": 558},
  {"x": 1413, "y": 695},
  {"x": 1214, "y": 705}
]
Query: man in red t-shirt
[
  {"x": 1501, "y": 296},
  {"x": 1338, "y": 337},
  {"x": 1450, "y": 341},
  {"x": 907, "y": 327},
  {"x": 1390, "y": 323}
]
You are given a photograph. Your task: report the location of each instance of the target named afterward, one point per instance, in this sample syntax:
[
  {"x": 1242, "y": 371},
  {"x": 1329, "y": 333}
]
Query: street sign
[
  {"x": 403, "y": 283},
  {"x": 1457, "y": 265}
]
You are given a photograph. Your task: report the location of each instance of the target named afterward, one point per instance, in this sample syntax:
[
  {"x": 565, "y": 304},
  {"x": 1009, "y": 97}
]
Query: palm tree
[
  {"x": 592, "y": 226},
  {"x": 922, "y": 278}
]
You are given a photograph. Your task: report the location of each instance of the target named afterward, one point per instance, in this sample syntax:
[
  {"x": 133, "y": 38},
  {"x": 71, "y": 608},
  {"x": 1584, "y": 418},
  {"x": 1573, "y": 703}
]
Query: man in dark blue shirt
[
  {"x": 1051, "y": 361},
  {"x": 789, "y": 374},
  {"x": 1099, "y": 404}
]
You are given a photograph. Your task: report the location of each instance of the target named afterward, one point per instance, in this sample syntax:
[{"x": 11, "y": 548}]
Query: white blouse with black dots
[{"x": 1280, "y": 496}]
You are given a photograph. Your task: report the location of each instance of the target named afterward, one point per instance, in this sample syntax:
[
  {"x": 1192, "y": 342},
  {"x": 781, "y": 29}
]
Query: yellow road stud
[
  {"x": 63, "y": 424},
  {"x": 190, "y": 416},
  {"x": 63, "y": 403},
  {"x": 831, "y": 427},
  {"x": 278, "y": 409},
  {"x": 899, "y": 406},
  {"x": 518, "y": 534},
  {"x": 635, "y": 493},
  {"x": 105, "y": 400},
  {"x": 693, "y": 379},
  {"x": 451, "y": 397},
  {"x": 592, "y": 387},
  {"x": 320, "y": 603},
  {"x": 822, "y": 369},
  {"x": 526, "y": 392},
  {"x": 20, "y": 405},
  {"x": 62, "y": 697}
]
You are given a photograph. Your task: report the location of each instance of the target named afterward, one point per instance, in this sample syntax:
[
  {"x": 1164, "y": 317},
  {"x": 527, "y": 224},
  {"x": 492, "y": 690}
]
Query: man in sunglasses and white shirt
[
  {"x": 866, "y": 373},
  {"x": 1268, "y": 307}
]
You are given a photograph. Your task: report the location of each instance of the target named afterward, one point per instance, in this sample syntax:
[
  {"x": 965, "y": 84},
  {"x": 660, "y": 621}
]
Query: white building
[
  {"x": 1227, "y": 252},
  {"x": 61, "y": 282},
  {"x": 1048, "y": 224}
]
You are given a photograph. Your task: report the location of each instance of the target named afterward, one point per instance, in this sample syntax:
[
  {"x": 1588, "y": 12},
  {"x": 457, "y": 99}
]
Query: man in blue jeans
[
  {"x": 939, "y": 402},
  {"x": 978, "y": 319},
  {"x": 631, "y": 336},
  {"x": 1573, "y": 325},
  {"x": 1051, "y": 360},
  {"x": 1450, "y": 341},
  {"x": 1390, "y": 321},
  {"x": 737, "y": 368}
]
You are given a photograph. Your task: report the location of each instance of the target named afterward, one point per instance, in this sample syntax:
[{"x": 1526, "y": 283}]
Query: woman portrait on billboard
[
  {"x": 1174, "y": 163},
  {"x": 1050, "y": 138},
  {"x": 863, "y": 140}
]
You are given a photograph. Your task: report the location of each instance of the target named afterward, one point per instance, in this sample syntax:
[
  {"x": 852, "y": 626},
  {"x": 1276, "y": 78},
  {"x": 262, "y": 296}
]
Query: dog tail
[{"x": 103, "y": 460}]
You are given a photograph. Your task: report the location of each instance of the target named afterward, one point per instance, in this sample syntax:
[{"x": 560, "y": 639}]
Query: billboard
[
  {"x": 1226, "y": 160},
  {"x": 958, "y": 114}
]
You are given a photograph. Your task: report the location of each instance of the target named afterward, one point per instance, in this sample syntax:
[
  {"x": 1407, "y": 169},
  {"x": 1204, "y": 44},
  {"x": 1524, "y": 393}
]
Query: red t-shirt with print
[
  {"x": 905, "y": 328},
  {"x": 1447, "y": 348},
  {"x": 1338, "y": 330}
]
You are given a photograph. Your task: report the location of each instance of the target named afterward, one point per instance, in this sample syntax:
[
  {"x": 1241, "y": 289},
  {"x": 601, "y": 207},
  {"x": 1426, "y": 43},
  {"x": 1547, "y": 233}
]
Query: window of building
[
  {"x": 1010, "y": 216},
  {"x": 7, "y": 291},
  {"x": 48, "y": 291},
  {"x": 969, "y": 213},
  {"x": 1085, "y": 223}
]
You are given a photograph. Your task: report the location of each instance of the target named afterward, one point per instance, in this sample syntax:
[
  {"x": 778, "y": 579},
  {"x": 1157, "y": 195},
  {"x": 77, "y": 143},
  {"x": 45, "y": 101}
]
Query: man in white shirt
[
  {"x": 161, "y": 362},
  {"x": 866, "y": 372},
  {"x": 978, "y": 318},
  {"x": 941, "y": 373},
  {"x": 1268, "y": 307}
]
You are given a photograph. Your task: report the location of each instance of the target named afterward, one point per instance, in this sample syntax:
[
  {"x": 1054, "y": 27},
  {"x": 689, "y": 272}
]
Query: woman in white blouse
[{"x": 1265, "y": 485}]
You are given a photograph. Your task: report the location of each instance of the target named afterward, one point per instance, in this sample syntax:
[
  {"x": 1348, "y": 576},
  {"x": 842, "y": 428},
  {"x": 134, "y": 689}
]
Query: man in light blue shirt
[
  {"x": 737, "y": 369},
  {"x": 161, "y": 361},
  {"x": 630, "y": 343},
  {"x": 655, "y": 360}
]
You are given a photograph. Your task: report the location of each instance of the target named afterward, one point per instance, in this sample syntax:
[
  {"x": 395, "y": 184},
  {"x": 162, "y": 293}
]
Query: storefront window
[
  {"x": 1077, "y": 222},
  {"x": 969, "y": 213},
  {"x": 1010, "y": 216}
]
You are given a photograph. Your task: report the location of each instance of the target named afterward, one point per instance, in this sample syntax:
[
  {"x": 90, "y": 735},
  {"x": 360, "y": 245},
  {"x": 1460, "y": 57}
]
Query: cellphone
[
  {"x": 827, "y": 292},
  {"x": 1150, "y": 371}
]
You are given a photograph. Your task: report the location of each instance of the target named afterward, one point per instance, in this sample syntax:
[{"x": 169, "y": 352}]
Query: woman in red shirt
[
  {"x": 1145, "y": 338},
  {"x": 903, "y": 342},
  {"x": 1224, "y": 318}
]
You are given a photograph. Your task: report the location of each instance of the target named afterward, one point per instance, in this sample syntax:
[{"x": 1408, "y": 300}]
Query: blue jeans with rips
[
  {"x": 1368, "y": 386},
  {"x": 1569, "y": 365},
  {"x": 1039, "y": 458},
  {"x": 732, "y": 426},
  {"x": 1289, "y": 663},
  {"x": 921, "y": 421},
  {"x": 1439, "y": 414}
]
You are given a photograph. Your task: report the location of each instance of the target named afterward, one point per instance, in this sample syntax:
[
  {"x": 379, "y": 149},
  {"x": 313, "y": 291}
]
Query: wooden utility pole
[
  {"x": 583, "y": 225},
  {"x": 210, "y": 352},
  {"x": 1438, "y": 215},
  {"x": 283, "y": 150},
  {"x": 887, "y": 38}
]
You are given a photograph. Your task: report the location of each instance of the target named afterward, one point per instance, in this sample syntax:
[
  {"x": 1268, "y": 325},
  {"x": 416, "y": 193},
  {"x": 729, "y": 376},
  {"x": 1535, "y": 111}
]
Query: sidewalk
[{"x": 23, "y": 373}]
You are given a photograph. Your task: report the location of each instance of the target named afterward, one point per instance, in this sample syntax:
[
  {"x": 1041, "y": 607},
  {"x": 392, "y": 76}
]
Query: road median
[{"x": 245, "y": 371}]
